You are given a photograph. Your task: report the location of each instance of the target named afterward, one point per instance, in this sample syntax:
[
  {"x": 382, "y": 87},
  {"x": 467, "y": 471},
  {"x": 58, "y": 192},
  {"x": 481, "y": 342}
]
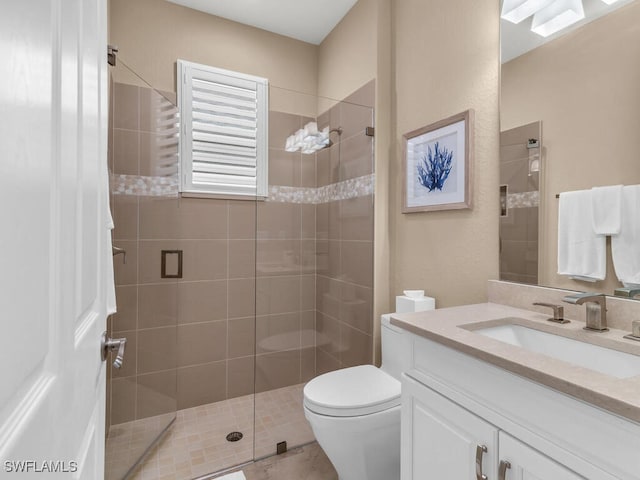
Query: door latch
[{"x": 113, "y": 345}]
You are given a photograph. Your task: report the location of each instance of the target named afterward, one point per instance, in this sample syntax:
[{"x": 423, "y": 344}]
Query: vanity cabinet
[
  {"x": 442, "y": 440},
  {"x": 453, "y": 404}
]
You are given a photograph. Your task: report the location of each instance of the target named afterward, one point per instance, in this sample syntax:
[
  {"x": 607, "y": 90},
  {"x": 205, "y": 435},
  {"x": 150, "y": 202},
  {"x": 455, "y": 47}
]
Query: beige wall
[
  {"x": 383, "y": 141},
  {"x": 584, "y": 89},
  {"x": 347, "y": 57},
  {"x": 152, "y": 34},
  {"x": 446, "y": 61}
]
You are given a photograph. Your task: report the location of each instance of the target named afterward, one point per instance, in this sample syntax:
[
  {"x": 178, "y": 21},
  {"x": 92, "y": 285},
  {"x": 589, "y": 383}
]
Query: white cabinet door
[
  {"x": 529, "y": 464},
  {"x": 54, "y": 240},
  {"x": 441, "y": 440}
]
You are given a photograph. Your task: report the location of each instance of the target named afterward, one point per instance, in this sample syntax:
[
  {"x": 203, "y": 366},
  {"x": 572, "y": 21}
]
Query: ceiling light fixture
[
  {"x": 560, "y": 14},
  {"x": 609, "y": 2},
  {"x": 516, "y": 11}
]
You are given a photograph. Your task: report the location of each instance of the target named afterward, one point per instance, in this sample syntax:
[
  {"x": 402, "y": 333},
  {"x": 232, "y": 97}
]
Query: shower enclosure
[
  {"x": 521, "y": 174},
  {"x": 230, "y": 306}
]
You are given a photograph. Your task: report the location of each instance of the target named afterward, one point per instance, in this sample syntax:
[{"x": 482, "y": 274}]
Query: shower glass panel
[
  {"x": 314, "y": 258},
  {"x": 142, "y": 153}
]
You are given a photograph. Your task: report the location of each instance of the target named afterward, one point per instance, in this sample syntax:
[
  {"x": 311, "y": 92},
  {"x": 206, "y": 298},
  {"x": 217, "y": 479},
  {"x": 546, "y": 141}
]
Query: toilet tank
[{"x": 396, "y": 348}]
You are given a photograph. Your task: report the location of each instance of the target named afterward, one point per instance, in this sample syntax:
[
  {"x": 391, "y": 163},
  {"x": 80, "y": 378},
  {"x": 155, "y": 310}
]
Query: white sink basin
[{"x": 594, "y": 357}]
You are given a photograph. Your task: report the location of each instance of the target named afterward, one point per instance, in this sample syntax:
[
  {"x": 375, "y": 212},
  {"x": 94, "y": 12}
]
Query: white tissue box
[{"x": 407, "y": 304}]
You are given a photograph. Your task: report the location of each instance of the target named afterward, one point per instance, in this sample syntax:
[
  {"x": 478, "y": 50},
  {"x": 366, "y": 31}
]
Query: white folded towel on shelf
[
  {"x": 606, "y": 203},
  {"x": 581, "y": 253},
  {"x": 625, "y": 247}
]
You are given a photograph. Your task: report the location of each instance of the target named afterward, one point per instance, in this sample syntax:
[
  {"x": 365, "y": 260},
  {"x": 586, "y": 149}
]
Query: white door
[
  {"x": 525, "y": 463},
  {"x": 52, "y": 248},
  {"x": 442, "y": 440}
]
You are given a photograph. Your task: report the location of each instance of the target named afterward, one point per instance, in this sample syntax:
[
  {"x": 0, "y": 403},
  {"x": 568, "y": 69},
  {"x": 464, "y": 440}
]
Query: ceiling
[
  {"x": 306, "y": 20},
  {"x": 519, "y": 39},
  {"x": 312, "y": 20}
]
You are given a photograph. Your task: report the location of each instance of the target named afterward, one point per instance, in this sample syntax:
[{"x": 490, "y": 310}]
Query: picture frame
[{"x": 437, "y": 165}]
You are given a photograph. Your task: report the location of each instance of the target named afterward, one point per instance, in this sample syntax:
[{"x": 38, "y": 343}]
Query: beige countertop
[{"x": 454, "y": 326}]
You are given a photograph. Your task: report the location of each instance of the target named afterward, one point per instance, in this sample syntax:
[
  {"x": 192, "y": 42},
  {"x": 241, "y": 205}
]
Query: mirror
[{"x": 570, "y": 120}]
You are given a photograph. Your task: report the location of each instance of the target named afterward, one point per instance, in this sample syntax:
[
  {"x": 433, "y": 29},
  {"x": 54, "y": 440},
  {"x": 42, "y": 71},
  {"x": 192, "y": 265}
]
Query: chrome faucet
[
  {"x": 558, "y": 312},
  {"x": 596, "y": 305}
]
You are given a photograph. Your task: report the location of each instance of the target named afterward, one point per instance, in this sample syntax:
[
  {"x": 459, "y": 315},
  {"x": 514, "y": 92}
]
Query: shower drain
[{"x": 234, "y": 437}]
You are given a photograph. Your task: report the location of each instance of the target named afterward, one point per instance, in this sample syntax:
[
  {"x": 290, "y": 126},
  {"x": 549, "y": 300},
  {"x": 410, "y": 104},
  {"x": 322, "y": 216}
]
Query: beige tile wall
[
  {"x": 202, "y": 323},
  {"x": 344, "y": 240},
  {"x": 285, "y": 267}
]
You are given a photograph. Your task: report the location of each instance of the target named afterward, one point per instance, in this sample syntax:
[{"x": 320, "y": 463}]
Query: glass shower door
[
  {"x": 142, "y": 394},
  {"x": 186, "y": 300}
]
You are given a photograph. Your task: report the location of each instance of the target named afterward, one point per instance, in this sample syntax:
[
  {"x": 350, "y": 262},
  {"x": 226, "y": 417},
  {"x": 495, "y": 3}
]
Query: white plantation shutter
[{"x": 224, "y": 131}]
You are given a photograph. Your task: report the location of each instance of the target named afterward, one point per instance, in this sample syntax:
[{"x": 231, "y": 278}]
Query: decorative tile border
[
  {"x": 352, "y": 188},
  {"x": 168, "y": 187},
  {"x": 282, "y": 194},
  {"x": 523, "y": 200},
  {"x": 144, "y": 186}
]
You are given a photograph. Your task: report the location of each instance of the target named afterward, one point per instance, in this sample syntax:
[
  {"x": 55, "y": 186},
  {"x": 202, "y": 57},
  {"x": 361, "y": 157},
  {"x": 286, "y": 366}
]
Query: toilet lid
[{"x": 352, "y": 392}]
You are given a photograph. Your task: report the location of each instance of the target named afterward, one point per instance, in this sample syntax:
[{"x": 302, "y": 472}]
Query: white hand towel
[
  {"x": 581, "y": 253},
  {"x": 606, "y": 203},
  {"x": 110, "y": 300},
  {"x": 110, "y": 288},
  {"x": 625, "y": 247}
]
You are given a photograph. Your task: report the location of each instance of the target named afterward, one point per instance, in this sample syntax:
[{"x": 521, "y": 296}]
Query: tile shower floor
[{"x": 196, "y": 444}]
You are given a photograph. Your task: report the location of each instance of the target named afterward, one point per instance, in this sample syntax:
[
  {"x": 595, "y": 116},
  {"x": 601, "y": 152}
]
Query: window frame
[{"x": 186, "y": 73}]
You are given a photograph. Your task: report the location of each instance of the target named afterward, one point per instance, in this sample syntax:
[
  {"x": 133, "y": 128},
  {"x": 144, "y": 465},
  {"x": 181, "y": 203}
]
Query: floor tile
[{"x": 195, "y": 445}]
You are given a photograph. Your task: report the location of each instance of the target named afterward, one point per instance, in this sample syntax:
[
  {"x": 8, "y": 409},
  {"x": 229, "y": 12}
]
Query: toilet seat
[{"x": 352, "y": 392}]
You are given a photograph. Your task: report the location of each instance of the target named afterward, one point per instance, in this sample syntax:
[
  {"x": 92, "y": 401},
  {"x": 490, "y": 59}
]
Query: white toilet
[{"x": 355, "y": 412}]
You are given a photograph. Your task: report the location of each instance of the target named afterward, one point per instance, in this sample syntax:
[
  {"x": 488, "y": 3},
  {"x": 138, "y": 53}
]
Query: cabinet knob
[
  {"x": 480, "y": 451},
  {"x": 502, "y": 471}
]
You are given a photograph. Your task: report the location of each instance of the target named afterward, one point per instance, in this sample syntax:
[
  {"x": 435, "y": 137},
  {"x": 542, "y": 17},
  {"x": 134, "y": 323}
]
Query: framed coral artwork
[{"x": 437, "y": 165}]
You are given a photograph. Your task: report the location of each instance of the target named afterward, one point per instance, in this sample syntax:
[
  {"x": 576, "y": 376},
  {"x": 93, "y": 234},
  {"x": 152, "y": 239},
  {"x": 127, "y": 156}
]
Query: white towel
[
  {"x": 606, "y": 203},
  {"x": 110, "y": 288},
  {"x": 625, "y": 247},
  {"x": 110, "y": 300},
  {"x": 581, "y": 253}
]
